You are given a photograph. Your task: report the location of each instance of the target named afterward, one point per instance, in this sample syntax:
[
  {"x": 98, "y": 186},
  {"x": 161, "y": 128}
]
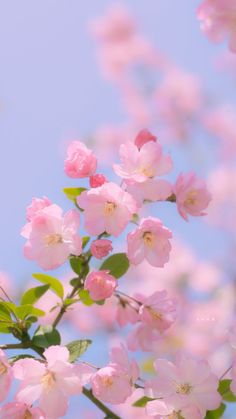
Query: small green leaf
[
  {"x": 142, "y": 402},
  {"x": 69, "y": 301},
  {"x": 4, "y": 327},
  {"x": 100, "y": 302},
  {"x": 76, "y": 264},
  {"x": 77, "y": 348},
  {"x": 216, "y": 414},
  {"x": 55, "y": 284},
  {"x": 85, "y": 298},
  {"x": 85, "y": 241},
  {"x": 34, "y": 294},
  {"x": 28, "y": 310},
  {"x": 46, "y": 336},
  {"x": 5, "y": 314},
  {"x": 72, "y": 193},
  {"x": 117, "y": 264},
  {"x": 224, "y": 390}
]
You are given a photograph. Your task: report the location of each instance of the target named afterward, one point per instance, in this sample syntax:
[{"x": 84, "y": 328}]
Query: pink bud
[
  {"x": 143, "y": 137},
  {"x": 97, "y": 180},
  {"x": 101, "y": 248},
  {"x": 100, "y": 285}
]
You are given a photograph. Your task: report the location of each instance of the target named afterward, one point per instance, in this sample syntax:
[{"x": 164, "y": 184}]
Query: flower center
[
  {"x": 191, "y": 198},
  {"x": 184, "y": 388},
  {"x": 27, "y": 415},
  {"x": 52, "y": 239},
  {"x": 107, "y": 381},
  {"x": 109, "y": 208},
  {"x": 148, "y": 171},
  {"x": 3, "y": 368},
  {"x": 155, "y": 315},
  {"x": 148, "y": 238},
  {"x": 48, "y": 380}
]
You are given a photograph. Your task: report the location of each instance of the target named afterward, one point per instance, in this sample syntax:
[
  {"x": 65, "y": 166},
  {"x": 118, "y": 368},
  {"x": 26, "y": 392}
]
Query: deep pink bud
[
  {"x": 97, "y": 180},
  {"x": 143, "y": 137}
]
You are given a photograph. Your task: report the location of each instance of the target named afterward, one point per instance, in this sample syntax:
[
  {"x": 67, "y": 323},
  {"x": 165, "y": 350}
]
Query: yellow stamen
[
  {"x": 52, "y": 239},
  {"x": 148, "y": 238},
  {"x": 107, "y": 381},
  {"x": 154, "y": 314},
  {"x": 191, "y": 198},
  {"x": 27, "y": 415},
  {"x": 3, "y": 368},
  {"x": 48, "y": 380},
  {"x": 109, "y": 208},
  {"x": 184, "y": 388}
]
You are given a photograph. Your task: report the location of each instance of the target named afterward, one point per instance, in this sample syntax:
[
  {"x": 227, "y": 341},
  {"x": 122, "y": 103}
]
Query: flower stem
[{"x": 100, "y": 405}]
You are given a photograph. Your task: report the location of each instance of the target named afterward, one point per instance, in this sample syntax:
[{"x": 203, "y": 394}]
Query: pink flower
[
  {"x": 101, "y": 248},
  {"x": 97, "y": 180},
  {"x": 162, "y": 410},
  {"x": 51, "y": 383},
  {"x": 218, "y": 20},
  {"x": 107, "y": 208},
  {"x": 36, "y": 205},
  {"x": 144, "y": 337},
  {"x": 186, "y": 383},
  {"x": 80, "y": 161},
  {"x": 150, "y": 190},
  {"x": 138, "y": 165},
  {"x": 192, "y": 196},
  {"x": 150, "y": 240},
  {"x": 5, "y": 376},
  {"x": 100, "y": 285},
  {"x": 158, "y": 311},
  {"x": 20, "y": 411},
  {"x": 143, "y": 137},
  {"x": 127, "y": 312},
  {"x": 52, "y": 237},
  {"x": 114, "y": 383}
]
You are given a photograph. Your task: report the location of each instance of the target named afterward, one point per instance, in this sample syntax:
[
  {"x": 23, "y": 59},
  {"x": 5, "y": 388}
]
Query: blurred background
[{"x": 99, "y": 72}]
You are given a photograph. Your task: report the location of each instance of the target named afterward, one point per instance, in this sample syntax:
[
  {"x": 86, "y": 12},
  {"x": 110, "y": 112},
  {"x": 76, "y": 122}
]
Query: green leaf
[
  {"x": 28, "y": 310},
  {"x": 224, "y": 390},
  {"x": 72, "y": 193},
  {"x": 77, "y": 348},
  {"x": 85, "y": 241},
  {"x": 76, "y": 264},
  {"x": 5, "y": 314},
  {"x": 69, "y": 301},
  {"x": 142, "y": 402},
  {"x": 216, "y": 414},
  {"x": 55, "y": 284},
  {"x": 5, "y": 327},
  {"x": 46, "y": 336},
  {"x": 34, "y": 294},
  {"x": 117, "y": 264},
  {"x": 85, "y": 298}
]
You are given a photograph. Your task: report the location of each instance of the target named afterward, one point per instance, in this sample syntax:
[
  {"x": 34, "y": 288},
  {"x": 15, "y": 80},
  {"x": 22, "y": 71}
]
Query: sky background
[{"x": 51, "y": 91}]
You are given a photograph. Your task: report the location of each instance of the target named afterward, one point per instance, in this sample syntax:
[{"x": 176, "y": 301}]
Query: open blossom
[
  {"x": 114, "y": 383},
  {"x": 218, "y": 20},
  {"x": 127, "y": 312},
  {"x": 144, "y": 337},
  {"x": 36, "y": 205},
  {"x": 101, "y": 248},
  {"x": 50, "y": 383},
  {"x": 186, "y": 383},
  {"x": 192, "y": 196},
  {"x": 143, "y": 137},
  {"x": 150, "y": 240},
  {"x": 18, "y": 410},
  {"x": 158, "y": 310},
  {"x": 150, "y": 190},
  {"x": 107, "y": 208},
  {"x": 139, "y": 165},
  {"x": 162, "y": 410},
  {"x": 5, "y": 376},
  {"x": 100, "y": 285},
  {"x": 80, "y": 161},
  {"x": 52, "y": 237}
]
